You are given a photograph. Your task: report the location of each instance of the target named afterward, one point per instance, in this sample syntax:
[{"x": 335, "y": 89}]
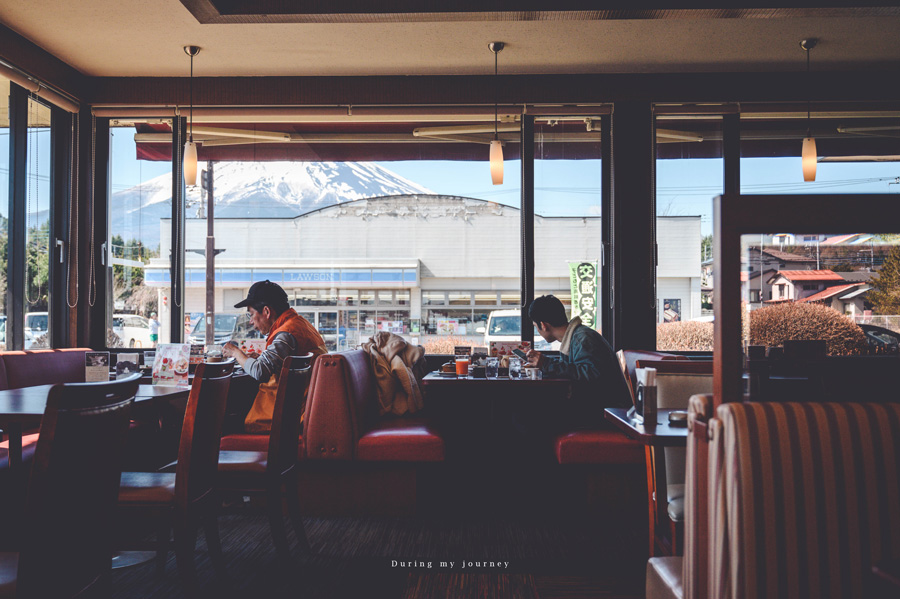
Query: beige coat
[{"x": 399, "y": 368}]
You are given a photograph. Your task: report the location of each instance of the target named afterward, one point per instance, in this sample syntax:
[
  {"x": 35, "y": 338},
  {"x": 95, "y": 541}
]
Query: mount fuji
[{"x": 255, "y": 190}]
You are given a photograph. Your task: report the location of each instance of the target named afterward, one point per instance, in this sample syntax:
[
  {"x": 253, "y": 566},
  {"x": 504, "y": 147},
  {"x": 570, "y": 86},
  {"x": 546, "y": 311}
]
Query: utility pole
[{"x": 210, "y": 256}]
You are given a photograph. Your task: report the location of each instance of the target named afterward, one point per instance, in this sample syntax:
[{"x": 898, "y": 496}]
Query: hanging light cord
[
  {"x": 808, "y": 117},
  {"x": 191, "y": 134},
  {"x": 496, "y": 96}
]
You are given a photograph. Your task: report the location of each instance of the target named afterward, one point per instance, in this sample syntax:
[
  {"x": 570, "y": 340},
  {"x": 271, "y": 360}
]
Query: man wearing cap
[{"x": 288, "y": 334}]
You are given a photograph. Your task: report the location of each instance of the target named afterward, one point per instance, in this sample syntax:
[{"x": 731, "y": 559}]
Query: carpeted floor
[{"x": 411, "y": 558}]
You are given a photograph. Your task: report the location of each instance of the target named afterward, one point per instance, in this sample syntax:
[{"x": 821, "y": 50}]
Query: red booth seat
[
  {"x": 401, "y": 440},
  {"x": 342, "y": 420},
  {"x": 597, "y": 447}
]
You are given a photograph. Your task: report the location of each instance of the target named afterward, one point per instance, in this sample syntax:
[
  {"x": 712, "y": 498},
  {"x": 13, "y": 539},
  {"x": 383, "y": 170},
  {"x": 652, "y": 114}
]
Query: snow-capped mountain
[{"x": 256, "y": 190}]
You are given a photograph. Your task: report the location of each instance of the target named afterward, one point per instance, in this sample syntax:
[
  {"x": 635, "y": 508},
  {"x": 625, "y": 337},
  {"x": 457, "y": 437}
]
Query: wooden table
[
  {"x": 662, "y": 435},
  {"x": 23, "y": 408}
]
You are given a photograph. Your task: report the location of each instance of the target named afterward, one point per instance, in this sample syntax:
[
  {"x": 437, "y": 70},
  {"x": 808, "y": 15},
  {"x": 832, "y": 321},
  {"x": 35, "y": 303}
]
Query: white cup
[{"x": 533, "y": 373}]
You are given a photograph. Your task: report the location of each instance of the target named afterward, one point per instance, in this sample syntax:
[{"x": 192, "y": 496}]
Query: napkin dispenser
[{"x": 645, "y": 398}]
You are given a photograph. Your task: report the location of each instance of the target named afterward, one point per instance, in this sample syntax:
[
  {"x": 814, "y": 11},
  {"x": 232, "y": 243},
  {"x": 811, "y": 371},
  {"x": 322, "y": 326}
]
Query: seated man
[
  {"x": 288, "y": 334},
  {"x": 587, "y": 360}
]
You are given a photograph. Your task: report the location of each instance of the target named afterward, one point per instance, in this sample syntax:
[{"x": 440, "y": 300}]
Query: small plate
[{"x": 447, "y": 374}]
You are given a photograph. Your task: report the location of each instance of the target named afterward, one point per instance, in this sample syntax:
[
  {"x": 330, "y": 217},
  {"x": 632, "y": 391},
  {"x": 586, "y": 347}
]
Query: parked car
[
  {"x": 228, "y": 326},
  {"x": 37, "y": 324},
  {"x": 133, "y": 330},
  {"x": 882, "y": 339},
  {"x": 506, "y": 325}
]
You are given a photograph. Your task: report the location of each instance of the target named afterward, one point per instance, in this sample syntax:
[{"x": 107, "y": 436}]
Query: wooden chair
[
  {"x": 266, "y": 473},
  {"x": 72, "y": 493},
  {"x": 677, "y": 381},
  {"x": 186, "y": 498}
]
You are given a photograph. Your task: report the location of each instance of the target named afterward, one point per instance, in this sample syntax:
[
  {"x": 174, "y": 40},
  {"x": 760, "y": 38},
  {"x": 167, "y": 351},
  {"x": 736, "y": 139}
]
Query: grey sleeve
[{"x": 270, "y": 360}]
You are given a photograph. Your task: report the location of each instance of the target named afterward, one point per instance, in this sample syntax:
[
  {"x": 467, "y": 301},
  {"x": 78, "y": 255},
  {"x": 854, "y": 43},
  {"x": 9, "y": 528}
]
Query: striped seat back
[{"x": 805, "y": 497}]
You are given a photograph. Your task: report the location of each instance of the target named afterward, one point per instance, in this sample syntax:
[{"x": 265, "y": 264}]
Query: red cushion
[
  {"x": 598, "y": 447},
  {"x": 29, "y": 442},
  {"x": 401, "y": 440},
  {"x": 250, "y": 442}
]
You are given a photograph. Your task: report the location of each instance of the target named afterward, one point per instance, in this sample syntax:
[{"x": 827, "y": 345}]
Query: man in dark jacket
[{"x": 587, "y": 359}]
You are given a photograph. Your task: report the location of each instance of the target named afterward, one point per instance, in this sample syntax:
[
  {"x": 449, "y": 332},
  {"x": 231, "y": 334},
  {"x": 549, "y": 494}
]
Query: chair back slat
[
  {"x": 74, "y": 487},
  {"x": 198, "y": 451},
  {"x": 290, "y": 400}
]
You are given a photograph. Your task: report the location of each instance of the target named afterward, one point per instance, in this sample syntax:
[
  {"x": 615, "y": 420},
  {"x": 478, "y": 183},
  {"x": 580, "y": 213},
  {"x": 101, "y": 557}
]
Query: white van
[{"x": 506, "y": 325}]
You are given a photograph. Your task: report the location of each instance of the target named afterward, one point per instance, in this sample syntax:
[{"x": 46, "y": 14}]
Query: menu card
[
  {"x": 126, "y": 365},
  {"x": 253, "y": 347},
  {"x": 505, "y": 348},
  {"x": 462, "y": 350},
  {"x": 171, "y": 364},
  {"x": 96, "y": 367}
]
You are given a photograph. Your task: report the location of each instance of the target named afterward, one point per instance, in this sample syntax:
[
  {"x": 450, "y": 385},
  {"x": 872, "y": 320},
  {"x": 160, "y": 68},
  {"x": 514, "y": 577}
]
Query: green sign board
[{"x": 584, "y": 278}]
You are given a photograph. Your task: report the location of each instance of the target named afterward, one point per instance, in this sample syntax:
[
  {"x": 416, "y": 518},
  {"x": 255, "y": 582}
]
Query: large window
[
  {"x": 568, "y": 217},
  {"x": 689, "y": 173},
  {"x": 37, "y": 227},
  {"x": 4, "y": 202},
  {"x": 855, "y": 153},
  {"x": 360, "y": 233},
  {"x": 140, "y": 210}
]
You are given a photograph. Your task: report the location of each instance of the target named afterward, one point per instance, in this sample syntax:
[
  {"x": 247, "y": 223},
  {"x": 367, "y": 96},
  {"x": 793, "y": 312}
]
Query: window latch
[{"x": 61, "y": 245}]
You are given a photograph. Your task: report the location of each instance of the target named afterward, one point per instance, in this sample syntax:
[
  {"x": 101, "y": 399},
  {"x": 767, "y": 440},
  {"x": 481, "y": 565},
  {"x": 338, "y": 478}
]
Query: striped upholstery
[
  {"x": 806, "y": 497},
  {"x": 696, "y": 545}
]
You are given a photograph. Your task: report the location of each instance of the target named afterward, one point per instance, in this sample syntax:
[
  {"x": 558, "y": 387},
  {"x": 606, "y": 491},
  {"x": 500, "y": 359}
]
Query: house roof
[
  {"x": 828, "y": 293},
  {"x": 788, "y": 256},
  {"x": 810, "y": 275}
]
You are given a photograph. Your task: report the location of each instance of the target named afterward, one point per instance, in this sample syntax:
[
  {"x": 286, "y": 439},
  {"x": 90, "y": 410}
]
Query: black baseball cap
[{"x": 264, "y": 292}]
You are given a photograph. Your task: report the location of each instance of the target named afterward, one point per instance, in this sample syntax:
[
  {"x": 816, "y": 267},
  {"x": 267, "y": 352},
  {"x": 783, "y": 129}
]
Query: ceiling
[{"x": 116, "y": 38}]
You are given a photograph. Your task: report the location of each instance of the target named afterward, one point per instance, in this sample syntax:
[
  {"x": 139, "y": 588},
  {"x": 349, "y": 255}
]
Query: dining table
[{"x": 23, "y": 408}]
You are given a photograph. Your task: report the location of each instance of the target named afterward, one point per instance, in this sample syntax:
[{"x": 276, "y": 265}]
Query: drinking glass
[
  {"x": 515, "y": 368},
  {"x": 492, "y": 367},
  {"x": 462, "y": 365}
]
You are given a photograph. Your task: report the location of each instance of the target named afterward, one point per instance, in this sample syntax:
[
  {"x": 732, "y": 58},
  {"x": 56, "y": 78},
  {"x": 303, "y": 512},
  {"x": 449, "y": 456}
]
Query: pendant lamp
[
  {"x": 496, "y": 147},
  {"x": 189, "y": 166},
  {"x": 809, "y": 156}
]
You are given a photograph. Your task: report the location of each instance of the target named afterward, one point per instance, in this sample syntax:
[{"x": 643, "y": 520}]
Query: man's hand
[
  {"x": 534, "y": 358},
  {"x": 231, "y": 350}
]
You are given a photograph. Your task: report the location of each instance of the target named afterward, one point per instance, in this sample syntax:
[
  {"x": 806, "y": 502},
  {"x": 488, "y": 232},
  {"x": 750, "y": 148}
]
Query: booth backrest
[
  {"x": 628, "y": 361},
  {"x": 340, "y": 406},
  {"x": 805, "y": 498},
  {"x": 42, "y": 367}
]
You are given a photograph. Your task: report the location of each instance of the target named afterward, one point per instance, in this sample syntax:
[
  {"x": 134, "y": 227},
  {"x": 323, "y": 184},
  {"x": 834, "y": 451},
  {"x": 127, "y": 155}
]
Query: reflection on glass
[{"x": 841, "y": 289}]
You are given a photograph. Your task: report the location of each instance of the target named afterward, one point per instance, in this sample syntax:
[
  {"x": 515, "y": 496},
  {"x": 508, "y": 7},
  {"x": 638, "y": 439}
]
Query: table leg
[{"x": 14, "y": 432}]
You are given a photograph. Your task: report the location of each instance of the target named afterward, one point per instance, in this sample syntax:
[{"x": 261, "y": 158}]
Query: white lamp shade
[
  {"x": 190, "y": 163},
  {"x": 496, "y": 162},
  {"x": 810, "y": 158}
]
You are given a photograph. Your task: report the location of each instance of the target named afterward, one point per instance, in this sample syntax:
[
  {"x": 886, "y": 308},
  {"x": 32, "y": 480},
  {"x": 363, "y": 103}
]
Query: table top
[
  {"x": 435, "y": 379},
  {"x": 29, "y": 402},
  {"x": 663, "y": 435}
]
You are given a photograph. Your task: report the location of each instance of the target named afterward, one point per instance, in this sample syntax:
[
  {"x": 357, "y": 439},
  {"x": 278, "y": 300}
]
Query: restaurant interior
[{"x": 760, "y": 456}]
